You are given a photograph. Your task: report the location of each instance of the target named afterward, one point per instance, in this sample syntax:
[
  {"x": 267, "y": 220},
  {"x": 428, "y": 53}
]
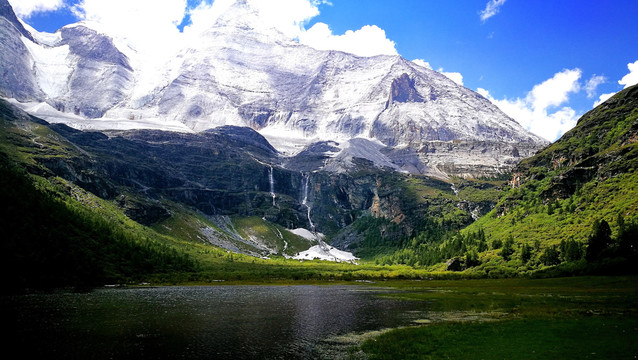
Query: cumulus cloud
[
  {"x": 145, "y": 23},
  {"x": 290, "y": 17},
  {"x": 422, "y": 63},
  {"x": 492, "y": 8},
  {"x": 592, "y": 84},
  {"x": 602, "y": 98},
  {"x": 454, "y": 76},
  {"x": 287, "y": 16},
  {"x": 370, "y": 40},
  {"x": 631, "y": 78},
  {"x": 539, "y": 111},
  {"x": 25, "y": 8},
  {"x": 153, "y": 24},
  {"x": 628, "y": 80}
]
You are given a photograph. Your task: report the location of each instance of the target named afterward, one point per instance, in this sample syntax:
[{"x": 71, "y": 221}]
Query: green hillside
[{"x": 581, "y": 188}]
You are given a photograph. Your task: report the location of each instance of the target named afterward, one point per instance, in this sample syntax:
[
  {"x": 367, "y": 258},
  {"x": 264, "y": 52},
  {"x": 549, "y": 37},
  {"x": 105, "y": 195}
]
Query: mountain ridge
[{"x": 247, "y": 74}]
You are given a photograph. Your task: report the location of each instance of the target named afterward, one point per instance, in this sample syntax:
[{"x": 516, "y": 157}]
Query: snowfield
[{"x": 326, "y": 253}]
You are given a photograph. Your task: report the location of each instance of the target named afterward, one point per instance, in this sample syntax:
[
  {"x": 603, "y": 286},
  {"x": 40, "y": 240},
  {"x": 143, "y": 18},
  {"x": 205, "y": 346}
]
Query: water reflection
[{"x": 230, "y": 322}]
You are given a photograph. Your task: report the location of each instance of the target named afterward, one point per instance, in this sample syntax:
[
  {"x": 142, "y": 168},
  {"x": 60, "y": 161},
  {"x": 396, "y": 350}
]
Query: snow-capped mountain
[{"x": 242, "y": 72}]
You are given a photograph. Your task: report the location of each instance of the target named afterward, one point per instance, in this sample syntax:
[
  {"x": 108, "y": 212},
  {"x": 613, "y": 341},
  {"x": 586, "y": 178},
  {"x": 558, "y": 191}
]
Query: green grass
[
  {"x": 582, "y": 338},
  {"x": 560, "y": 318}
]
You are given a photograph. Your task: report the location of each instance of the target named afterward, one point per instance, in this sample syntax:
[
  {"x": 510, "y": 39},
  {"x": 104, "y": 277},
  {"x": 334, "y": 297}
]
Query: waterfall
[
  {"x": 305, "y": 178},
  {"x": 272, "y": 185},
  {"x": 456, "y": 192},
  {"x": 304, "y": 188}
]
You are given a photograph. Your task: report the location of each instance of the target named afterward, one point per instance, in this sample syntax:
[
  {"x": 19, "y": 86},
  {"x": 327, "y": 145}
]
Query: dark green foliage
[
  {"x": 570, "y": 250},
  {"x": 599, "y": 243},
  {"x": 508, "y": 248},
  {"x": 471, "y": 259},
  {"x": 49, "y": 243},
  {"x": 432, "y": 247},
  {"x": 551, "y": 256},
  {"x": 627, "y": 237},
  {"x": 526, "y": 253}
]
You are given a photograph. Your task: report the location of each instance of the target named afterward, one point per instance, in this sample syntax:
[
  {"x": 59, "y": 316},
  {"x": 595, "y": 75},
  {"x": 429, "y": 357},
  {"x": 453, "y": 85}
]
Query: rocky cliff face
[
  {"x": 17, "y": 80},
  {"x": 243, "y": 73}
]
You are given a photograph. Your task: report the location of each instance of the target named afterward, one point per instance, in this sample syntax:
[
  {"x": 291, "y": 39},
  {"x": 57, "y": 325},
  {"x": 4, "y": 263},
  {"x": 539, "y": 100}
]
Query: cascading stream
[
  {"x": 272, "y": 185},
  {"x": 304, "y": 188},
  {"x": 456, "y": 191},
  {"x": 305, "y": 178}
]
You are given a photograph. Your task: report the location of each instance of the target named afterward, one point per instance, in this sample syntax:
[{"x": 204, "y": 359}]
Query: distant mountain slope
[{"x": 242, "y": 73}]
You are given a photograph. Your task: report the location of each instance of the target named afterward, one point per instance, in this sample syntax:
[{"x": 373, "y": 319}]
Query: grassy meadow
[{"x": 560, "y": 318}]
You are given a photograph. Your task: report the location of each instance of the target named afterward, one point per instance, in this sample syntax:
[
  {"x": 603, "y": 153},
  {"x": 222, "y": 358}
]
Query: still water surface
[{"x": 217, "y": 322}]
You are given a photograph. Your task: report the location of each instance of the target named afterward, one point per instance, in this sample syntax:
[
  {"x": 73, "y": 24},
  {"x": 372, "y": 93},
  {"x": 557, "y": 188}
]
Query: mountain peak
[
  {"x": 6, "y": 11},
  {"x": 238, "y": 18},
  {"x": 244, "y": 69}
]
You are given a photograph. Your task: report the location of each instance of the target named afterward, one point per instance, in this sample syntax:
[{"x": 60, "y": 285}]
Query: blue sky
[{"x": 544, "y": 63}]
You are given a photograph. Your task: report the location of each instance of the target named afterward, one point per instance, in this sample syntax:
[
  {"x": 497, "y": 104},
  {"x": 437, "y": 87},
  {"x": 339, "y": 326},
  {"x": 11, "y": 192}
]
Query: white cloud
[
  {"x": 492, "y": 8},
  {"x": 287, "y": 16},
  {"x": 454, "y": 76},
  {"x": 370, "y": 40},
  {"x": 555, "y": 91},
  {"x": 593, "y": 83},
  {"x": 25, "y": 8},
  {"x": 628, "y": 80},
  {"x": 631, "y": 78},
  {"x": 147, "y": 24},
  {"x": 150, "y": 26},
  {"x": 422, "y": 63},
  {"x": 536, "y": 112},
  {"x": 602, "y": 98}
]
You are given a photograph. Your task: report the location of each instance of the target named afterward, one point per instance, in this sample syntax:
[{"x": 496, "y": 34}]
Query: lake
[{"x": 208, "y": 322}]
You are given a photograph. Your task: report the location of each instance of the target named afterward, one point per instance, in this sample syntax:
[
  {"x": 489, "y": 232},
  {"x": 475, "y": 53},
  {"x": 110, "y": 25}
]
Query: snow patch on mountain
[
  {"x": 54, "y": 116},
  {"x": 329, "y": 253},
  {"x": 307, "y": 234},
  {"x": 52, "y": 67}
]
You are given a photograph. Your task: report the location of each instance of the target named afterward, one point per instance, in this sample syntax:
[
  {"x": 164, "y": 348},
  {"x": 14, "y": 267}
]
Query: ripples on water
[{"x": 219, "y": 322}]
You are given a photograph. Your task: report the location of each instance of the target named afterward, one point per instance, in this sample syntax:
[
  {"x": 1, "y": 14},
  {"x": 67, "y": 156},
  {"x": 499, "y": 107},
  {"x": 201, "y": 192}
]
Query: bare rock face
[
  {"x": 16, "y": 76},
  {"x": 403, "y": 90},
  {"x": 6, "y": 11},
  {"x": 97, "y": 59}
]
